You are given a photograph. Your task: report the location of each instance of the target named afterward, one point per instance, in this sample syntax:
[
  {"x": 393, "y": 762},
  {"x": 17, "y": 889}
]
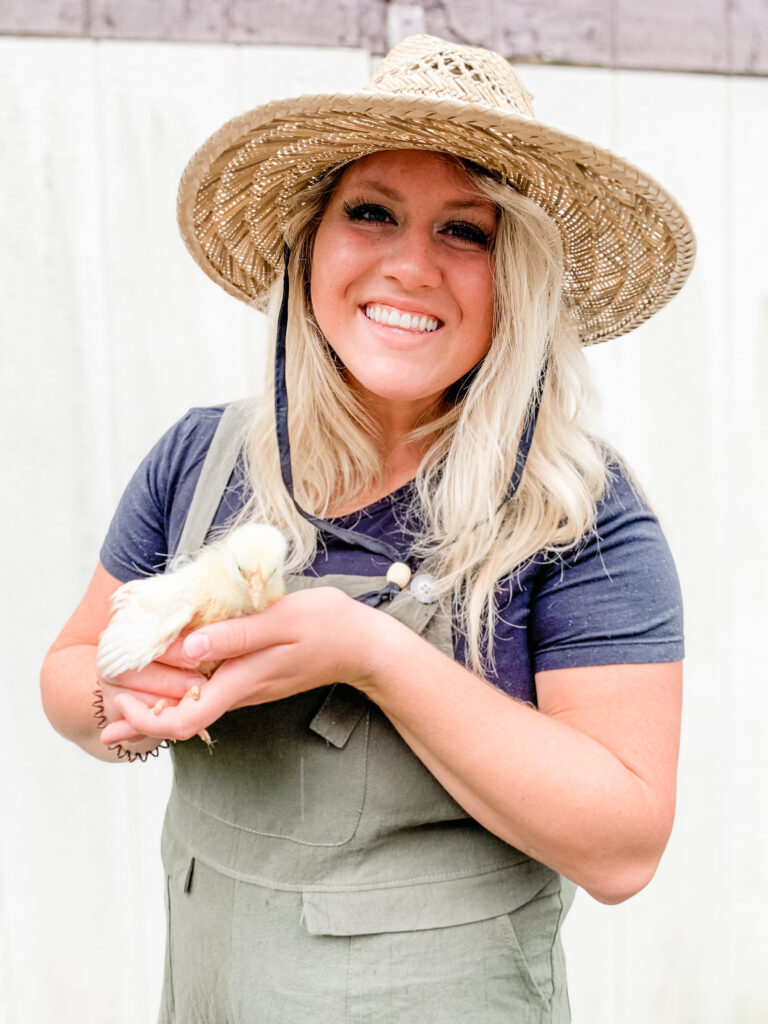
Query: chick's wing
[{"x": 147, "y": 615}]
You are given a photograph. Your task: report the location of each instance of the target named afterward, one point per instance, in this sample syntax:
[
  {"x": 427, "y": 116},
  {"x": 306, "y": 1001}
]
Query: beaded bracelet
[{"x": 119, "y": 749}]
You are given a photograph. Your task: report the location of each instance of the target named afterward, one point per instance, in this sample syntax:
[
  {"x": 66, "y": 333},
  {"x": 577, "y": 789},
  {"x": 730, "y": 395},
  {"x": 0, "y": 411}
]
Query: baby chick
[{"x": 237, "y": 575}]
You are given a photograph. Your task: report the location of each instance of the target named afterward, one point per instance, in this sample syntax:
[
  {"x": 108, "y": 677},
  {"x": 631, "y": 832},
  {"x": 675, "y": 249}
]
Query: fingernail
[{"x": 197, "y": 645}]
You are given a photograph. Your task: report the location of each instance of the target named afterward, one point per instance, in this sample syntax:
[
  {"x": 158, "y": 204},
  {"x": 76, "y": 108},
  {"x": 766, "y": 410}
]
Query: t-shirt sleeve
[
  {"x": 616, "y": 598},
  {"x": 147, "y": 523}
]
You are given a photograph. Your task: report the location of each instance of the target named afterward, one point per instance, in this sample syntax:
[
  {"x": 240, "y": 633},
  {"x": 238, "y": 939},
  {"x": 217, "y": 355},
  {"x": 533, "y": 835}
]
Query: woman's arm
[
  {"x": 585, "y": 783},
  {"x": 68, "y": 677}
]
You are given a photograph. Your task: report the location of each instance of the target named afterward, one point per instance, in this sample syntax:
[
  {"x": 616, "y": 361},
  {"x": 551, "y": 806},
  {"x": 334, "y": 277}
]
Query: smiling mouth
[{"x": 392, "y": 317}]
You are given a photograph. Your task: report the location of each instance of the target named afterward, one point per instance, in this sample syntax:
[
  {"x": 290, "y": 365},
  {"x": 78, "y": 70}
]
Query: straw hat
[{"x": 628, "y": 246}]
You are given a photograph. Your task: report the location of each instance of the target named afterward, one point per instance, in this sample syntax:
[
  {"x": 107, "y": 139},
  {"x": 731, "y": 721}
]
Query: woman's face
[{"x": 402, "y": 277}]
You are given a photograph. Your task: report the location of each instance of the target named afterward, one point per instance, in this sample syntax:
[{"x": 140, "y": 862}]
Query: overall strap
[
  {"x": 217, "y": 468},
  {"x": 219, "y": 462}
]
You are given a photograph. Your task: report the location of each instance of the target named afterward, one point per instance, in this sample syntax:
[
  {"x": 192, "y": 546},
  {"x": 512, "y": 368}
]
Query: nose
[{"x": 411, "y": 260}]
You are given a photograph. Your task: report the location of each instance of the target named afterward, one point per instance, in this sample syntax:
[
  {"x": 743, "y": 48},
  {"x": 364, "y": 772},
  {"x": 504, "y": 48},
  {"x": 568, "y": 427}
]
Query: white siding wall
[{"x": 109, "y": 332}]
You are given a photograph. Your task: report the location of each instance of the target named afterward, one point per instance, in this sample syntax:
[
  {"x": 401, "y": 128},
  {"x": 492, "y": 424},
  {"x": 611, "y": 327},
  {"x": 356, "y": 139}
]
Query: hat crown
[
  {"x": 427, "y": 66},
  {"x": 627, "y": 245}
]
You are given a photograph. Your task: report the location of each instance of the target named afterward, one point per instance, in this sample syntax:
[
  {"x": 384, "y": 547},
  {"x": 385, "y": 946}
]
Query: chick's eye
[
  {"x": 371, "y": 213},
  {"x": 466, "y": 231}
]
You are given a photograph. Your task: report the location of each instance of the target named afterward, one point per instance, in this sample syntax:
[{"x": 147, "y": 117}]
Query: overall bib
[{"x": 317, "y": 871}]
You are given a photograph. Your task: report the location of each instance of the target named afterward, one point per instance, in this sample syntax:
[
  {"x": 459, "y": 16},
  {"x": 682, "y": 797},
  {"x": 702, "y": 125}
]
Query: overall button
[
  {"x": 399, "y": 573},
  {"x": 423, "y": 588}
]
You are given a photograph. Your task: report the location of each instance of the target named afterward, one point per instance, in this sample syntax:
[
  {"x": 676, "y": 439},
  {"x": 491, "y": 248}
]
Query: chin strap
[
  {"x": 352, "y": 537},
  {"x": 526, "y": 437}
]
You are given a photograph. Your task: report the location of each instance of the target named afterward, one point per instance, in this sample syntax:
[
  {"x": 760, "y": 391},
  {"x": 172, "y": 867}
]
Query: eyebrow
[{"x": 391, "y": 193}]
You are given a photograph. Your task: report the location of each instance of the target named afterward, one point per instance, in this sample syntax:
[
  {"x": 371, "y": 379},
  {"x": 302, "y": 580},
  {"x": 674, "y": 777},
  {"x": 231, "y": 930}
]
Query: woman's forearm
[
  {"x": 68, "y": 677},
  {"x": 542, "y": 785},
  {"x": 69, "y": 685},
  {"x": 67, "y": 682}
]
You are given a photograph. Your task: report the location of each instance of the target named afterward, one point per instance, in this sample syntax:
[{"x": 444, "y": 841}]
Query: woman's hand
[
  {"x": 307, "y": 639},
  {"x": 160, "y": 684}
]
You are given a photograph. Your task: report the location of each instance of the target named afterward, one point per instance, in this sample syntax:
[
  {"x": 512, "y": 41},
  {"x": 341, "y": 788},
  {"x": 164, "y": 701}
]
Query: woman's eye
[
  {"x": 465, "y": 231},
  {"x": 371, "y": 213}
]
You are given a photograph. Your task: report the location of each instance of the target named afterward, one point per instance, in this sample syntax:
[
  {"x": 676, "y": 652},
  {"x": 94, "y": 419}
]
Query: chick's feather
[{"x": 235, "y": 576}]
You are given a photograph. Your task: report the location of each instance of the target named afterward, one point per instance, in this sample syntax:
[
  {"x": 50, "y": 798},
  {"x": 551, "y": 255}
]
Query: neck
[
  {"x": 400, "y": 463},
  {"x": 395, "y": 420},
  {"x": 400, "y": 457}
]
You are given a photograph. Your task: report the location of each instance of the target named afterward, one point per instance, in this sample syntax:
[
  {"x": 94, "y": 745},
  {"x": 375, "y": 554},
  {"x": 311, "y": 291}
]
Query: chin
[{"x": 396, "y": 392}]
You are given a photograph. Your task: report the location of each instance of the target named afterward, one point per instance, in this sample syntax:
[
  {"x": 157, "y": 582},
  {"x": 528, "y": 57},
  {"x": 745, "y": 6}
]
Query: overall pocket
[
  {"x": 479, "y": 950},
  {"x": 462, "y": 974},
  {"x": 167, "y": 1010},
  {"x": 531, "y": 933},
  {"x": 198, "y": 974},
  {"x": 270, "y": 774}
]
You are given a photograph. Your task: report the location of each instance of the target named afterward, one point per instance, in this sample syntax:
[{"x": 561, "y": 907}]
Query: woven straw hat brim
[{"x": 628, "y": 246}]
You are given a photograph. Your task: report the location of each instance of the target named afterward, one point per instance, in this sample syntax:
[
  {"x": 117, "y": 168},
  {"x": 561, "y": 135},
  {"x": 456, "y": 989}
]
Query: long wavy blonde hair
[{"x": 472, "y": 537}]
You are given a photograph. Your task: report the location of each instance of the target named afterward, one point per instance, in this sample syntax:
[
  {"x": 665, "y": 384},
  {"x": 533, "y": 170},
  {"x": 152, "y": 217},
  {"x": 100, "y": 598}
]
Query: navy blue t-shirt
[{"x": 614, "y": 599}]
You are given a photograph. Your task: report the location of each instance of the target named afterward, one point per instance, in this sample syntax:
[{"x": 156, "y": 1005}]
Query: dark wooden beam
[{"x": 725, "y": 36}]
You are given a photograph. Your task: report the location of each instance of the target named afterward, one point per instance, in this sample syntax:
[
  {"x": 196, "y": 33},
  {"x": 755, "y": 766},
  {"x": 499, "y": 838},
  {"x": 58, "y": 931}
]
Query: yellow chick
[{"x": 237, "y": 575}]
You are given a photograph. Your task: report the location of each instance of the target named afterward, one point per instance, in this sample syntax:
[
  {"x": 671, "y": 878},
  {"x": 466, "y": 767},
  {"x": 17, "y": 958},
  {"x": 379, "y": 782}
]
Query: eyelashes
[
  {"x": 373, "y": 213},
  {"x": 465, "y": 230},
  {"x": 468, "y": 231}
]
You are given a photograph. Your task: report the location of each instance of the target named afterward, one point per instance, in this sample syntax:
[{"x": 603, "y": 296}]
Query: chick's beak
[{"x": 255, "y": 583}]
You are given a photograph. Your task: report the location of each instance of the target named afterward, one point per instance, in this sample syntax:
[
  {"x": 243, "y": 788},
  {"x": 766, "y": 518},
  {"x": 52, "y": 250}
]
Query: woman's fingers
[
  {"x": 287, "y": 622},
  {"x": 158, "y": 680},
  {"x": 255, "y": 678},
  {"x": 178, "y": 721},
  {"x": 174, "y": 656},
  {"x": 232, "y": 638},
  {"x": 120, "y": 731}
]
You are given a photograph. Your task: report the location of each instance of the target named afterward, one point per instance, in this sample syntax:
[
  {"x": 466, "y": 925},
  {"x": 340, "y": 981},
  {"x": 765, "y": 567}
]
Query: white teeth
[{"x": 404, "y": 321}]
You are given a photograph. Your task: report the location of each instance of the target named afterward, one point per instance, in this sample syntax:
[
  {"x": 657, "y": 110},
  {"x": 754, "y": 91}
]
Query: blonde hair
[{"x": 472, "y": 537}]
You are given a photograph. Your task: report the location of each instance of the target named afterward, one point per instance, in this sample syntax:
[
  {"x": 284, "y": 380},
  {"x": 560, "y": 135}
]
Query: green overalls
[{"x": 317, "y": 872}]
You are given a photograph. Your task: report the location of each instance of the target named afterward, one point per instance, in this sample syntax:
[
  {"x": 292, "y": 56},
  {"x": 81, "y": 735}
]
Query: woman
[{"x": 380, "y": 834}]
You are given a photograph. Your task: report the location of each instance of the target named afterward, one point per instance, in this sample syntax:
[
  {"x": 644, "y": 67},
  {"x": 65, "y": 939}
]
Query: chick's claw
[{"x": 193, "y": 694}]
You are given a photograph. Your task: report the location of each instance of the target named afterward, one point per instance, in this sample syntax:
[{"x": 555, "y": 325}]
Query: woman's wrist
[
  {"x": 378, "y": 644},
  {"x": 140, "y": 750}
]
